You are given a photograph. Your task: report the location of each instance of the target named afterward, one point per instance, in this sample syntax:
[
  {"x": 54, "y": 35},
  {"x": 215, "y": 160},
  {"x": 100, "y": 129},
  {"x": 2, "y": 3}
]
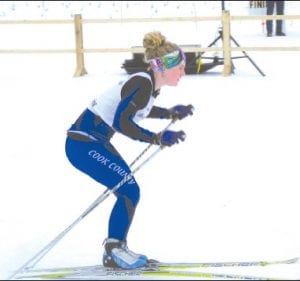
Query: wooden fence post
[
  {"x": 80, "y": 68},
  {"x": 227, "y": 70}
]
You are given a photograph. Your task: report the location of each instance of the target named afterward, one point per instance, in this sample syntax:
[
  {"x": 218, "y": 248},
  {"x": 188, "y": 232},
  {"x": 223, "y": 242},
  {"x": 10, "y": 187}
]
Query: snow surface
[{"x": 229, "y": 192}]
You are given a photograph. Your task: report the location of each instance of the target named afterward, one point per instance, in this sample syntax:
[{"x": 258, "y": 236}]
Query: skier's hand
[
  {"x": 181, "y": 111},
  {"x": 169, "y": 138}
]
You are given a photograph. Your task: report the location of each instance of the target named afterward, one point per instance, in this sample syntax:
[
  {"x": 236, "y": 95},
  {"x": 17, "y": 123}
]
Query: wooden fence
[{"x": 79, "y": 49}]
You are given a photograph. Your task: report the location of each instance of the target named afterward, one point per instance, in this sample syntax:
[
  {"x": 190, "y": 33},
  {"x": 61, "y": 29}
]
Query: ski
[
  {"x": 225, "y": 264},
  {"x": 154, "y": 269},
  {"x": 99, "y": 272}
]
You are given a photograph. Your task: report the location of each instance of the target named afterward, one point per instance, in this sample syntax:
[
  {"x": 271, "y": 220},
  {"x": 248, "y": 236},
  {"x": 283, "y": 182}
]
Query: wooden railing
[{"x": 79, "y": 49}]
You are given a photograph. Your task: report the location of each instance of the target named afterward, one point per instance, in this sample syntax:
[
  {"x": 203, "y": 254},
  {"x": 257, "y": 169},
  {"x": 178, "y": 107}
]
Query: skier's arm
[
  {"x": 160, "y": 112},
  {"x": 177, "y": 112},
  {"x": 135, "y": 96}
]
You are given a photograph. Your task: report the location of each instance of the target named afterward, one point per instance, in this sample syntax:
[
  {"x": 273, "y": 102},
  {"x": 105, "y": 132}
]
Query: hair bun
[{"x": 153, "y": 40}]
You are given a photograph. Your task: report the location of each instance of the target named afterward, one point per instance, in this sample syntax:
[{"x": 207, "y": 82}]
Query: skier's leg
[{"x": 104, "y": 164}]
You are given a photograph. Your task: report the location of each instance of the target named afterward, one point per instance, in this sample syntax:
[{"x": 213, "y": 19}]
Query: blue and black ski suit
[{"x": 89, "y": 149}]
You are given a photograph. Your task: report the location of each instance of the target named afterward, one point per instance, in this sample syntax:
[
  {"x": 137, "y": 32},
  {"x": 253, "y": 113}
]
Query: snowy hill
[{"x": 229, "y": 192}]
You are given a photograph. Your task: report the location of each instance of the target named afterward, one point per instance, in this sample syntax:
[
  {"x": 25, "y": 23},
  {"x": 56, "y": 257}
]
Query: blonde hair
[{"x": 156, "y": 45}]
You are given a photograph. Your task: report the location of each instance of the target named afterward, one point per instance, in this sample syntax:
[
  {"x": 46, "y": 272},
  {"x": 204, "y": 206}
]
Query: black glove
[
  {"x": 181, "y": 111},
  {"x": 169, "y": 138}
]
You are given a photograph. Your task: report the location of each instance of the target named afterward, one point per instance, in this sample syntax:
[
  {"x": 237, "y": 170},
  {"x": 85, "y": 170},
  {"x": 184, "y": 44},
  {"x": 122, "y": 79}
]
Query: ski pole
[
  {"x": 36, "y": 258},
  {"x": 148, "y": 147}
]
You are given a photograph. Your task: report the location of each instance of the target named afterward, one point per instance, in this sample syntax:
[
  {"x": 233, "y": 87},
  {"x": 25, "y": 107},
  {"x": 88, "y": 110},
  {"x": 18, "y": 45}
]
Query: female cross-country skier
[{"x": 119, "y": 109}]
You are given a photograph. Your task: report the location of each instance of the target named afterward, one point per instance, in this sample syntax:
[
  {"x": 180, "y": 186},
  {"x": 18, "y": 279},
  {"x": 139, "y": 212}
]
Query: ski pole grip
[{"x": 148, "y": 147}]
